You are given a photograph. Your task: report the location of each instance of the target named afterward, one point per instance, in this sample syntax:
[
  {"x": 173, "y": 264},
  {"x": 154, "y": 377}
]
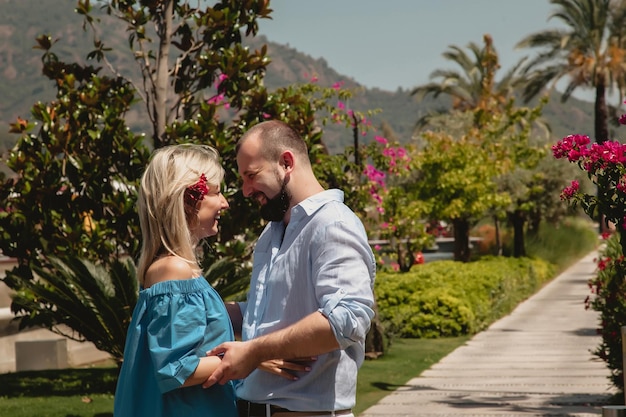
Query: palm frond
[{"x": 95, "y": 304}]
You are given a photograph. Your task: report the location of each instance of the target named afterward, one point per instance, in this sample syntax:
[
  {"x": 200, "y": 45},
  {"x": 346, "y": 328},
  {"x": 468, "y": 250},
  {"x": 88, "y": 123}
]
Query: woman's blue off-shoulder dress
[{"x": 173, "y": 325}]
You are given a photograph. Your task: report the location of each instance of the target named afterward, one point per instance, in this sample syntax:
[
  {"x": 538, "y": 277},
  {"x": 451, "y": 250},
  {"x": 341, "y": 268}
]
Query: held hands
[
  {"x": 238, "y": 361},
  {"x": 287, "y": 369}
]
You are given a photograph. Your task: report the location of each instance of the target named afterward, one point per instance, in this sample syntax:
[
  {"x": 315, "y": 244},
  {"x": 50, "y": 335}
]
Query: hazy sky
[{"x": 398, "y": 43}]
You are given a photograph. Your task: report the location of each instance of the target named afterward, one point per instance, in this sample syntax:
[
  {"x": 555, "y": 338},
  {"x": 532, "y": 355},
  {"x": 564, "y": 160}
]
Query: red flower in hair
[{"x": 197, "y": 191}]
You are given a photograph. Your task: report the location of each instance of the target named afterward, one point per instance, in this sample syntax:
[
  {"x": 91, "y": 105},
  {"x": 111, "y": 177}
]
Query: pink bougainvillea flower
[
  {"x": 389, "y": 152},
  {"x": 374, "y": 175},
  {"x": 381, "y": 140},
  {"x": 217, "y": 99},
  {"x": 220, "y": 79},
  {"x": 563, "y": 147},
  {"x": 621, "y": 184},
  {"x": 569, "y": 192}
]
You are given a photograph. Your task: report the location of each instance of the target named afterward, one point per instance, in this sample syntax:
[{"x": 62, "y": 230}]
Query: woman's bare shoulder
[{"x": 168, "y": 268}]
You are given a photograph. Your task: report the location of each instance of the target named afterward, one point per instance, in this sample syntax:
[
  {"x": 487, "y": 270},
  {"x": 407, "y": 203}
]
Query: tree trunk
[
  {"x": 601, "y": 117},
  {"x": 162, "y": 74},
  {"x": 375, "y": 341},
  {"x": 534, "y": 223},
  {"x": 518, "y": 220},
  {"x": 461, "y": 240},
  {"x": 622, "y": 239},
  {"x": 355, "y": 134},
  {"x": 601, "y": 130},
  {"x": 496, "y": 223}
]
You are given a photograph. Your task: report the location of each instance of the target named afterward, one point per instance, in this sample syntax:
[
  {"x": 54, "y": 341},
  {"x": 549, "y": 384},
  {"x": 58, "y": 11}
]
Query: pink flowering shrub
[
  {"x": 605, "y": 165},
  {"x": 399, "y": 216},
  {"x": 608, "y": 297},
  {"x": 389, "y": 207}
]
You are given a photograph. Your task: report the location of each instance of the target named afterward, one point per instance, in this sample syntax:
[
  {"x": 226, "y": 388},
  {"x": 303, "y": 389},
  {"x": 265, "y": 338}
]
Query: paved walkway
[{"x": 534, "y": 362}]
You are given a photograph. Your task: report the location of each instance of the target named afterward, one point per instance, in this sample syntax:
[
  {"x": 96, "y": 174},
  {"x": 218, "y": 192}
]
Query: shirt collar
[{"x": 313, "y": 203}]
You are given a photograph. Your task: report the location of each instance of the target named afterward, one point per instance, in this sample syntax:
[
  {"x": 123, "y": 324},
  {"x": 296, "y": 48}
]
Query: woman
[{"x": 178, "y": 316}]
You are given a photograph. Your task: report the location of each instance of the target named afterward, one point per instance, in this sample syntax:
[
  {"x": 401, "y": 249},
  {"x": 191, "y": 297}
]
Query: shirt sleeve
[
  {"x": 174, "y": 335},
  {"x": 344, "y": 269}
]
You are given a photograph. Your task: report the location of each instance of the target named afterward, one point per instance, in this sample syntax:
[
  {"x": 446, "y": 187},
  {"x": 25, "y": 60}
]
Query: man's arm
[{"x": 309, "y": 337}]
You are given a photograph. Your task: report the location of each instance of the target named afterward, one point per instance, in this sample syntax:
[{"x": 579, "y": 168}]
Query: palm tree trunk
[
  {"x": 601, "y": 114},
  {"x": 601, "y": 126}
]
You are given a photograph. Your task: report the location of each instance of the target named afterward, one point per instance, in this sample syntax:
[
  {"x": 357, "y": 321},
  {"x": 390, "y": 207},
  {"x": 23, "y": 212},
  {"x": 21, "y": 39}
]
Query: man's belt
[{"x": 250, "y": 409}]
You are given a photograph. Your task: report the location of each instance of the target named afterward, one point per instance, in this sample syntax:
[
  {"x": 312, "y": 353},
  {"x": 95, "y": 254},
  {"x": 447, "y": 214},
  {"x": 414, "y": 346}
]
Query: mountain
[{"x": 22, "y": 84}]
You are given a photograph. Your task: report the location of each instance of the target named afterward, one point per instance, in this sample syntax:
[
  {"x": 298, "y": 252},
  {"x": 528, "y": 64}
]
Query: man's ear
[{"x": 287, "y": 160}]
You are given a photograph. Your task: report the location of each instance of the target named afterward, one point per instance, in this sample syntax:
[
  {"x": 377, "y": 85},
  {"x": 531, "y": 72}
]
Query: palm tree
[
  {"x": 589, "y": 52},
  {"x": 474, "y": 85}
]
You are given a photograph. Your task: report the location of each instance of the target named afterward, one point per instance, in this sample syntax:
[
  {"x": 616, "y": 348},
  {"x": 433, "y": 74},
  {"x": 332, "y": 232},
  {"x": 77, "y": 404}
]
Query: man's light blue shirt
[{"x": 323, "y": 263}]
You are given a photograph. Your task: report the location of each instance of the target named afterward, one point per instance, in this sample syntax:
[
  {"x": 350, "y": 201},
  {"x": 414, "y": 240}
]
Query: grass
[
  {"x": 563, "y": 245},
  {"x": 84, "y": 392},
  {"x": 406, "y": 359},
  {"x": 95, "y": 405}
]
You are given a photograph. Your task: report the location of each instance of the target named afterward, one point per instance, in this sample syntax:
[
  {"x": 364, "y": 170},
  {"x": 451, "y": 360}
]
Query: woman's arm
[{"x": 205, "y": 368}]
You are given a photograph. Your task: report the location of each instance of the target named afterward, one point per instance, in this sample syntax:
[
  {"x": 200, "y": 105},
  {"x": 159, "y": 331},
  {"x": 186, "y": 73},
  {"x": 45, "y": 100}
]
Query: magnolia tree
[{"x": 69, "y": 210}]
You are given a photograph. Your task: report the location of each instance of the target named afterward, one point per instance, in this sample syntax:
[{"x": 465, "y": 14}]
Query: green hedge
[{"x": 448, "y": 298}]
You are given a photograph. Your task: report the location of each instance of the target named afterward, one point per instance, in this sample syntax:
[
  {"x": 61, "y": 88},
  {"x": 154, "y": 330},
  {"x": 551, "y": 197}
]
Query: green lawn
[
  {"x": 96, "y": 405},
  {"x": 88, "y": 392},
  {"x": 406, "y": 359}
]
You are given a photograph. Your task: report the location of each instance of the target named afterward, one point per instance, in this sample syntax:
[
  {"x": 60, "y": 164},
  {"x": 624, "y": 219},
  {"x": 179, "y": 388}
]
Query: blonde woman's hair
[{"x": 165, "y": 215}]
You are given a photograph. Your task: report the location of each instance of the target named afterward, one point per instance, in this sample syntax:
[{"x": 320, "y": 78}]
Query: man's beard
[{"x": 275, "y": 208}]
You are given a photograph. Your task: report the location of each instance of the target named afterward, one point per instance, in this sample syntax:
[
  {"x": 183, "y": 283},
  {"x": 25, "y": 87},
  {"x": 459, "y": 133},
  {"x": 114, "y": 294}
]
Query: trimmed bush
[{"x": 447, "y": 298}]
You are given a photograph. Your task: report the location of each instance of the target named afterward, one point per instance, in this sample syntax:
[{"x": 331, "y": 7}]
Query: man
[{"x": 311, "y": 292}]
